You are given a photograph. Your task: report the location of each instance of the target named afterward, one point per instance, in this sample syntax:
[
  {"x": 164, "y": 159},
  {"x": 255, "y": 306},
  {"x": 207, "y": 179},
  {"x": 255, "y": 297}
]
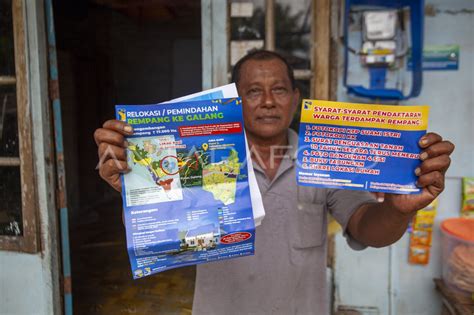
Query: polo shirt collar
[{"x": 289, "y": 157}]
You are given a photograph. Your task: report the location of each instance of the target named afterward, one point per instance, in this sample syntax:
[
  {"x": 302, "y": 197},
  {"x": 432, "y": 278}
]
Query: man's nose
[{"x": 269, "y": 100}]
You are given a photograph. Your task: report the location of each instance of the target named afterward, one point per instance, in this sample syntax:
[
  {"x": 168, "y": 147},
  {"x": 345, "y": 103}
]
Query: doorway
[{"x": 118, "y": 52}]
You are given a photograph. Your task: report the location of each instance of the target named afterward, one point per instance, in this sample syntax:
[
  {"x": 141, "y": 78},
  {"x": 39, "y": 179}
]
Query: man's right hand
[{"x": 111, "y": 143}]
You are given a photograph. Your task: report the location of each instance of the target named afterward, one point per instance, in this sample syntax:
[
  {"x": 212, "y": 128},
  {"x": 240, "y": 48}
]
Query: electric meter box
[{"x": 379, "y": 25}]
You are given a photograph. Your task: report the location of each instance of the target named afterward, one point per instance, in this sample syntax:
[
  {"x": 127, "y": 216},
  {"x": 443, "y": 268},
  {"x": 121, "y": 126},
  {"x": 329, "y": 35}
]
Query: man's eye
[
  {"x": 253, "y": 92},
  {"x": 280, "y": 90}
]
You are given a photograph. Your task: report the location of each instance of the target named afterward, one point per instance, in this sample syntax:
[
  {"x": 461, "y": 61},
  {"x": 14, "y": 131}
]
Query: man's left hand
[{"x": 431, "y": 174}]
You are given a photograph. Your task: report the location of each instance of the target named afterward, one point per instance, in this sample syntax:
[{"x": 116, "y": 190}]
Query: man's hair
[{"x": 262, "y": 55}]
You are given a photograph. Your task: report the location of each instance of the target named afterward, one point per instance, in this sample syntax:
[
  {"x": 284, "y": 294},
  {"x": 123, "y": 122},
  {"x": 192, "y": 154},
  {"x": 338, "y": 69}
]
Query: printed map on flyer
[
  {"x": 230, "y": 91},
  {"x": 360, "y": 146},
  {"x": 187, "y": 199}
]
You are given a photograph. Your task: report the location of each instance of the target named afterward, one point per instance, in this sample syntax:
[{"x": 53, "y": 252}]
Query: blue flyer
[
  {"x": 360, "y": 146},
  {"x": 186, "y": 200}
]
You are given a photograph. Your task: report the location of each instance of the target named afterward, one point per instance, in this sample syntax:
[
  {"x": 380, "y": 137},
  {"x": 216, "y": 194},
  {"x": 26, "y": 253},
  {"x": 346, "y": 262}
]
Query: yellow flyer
[{"x": 360, "y": 146}]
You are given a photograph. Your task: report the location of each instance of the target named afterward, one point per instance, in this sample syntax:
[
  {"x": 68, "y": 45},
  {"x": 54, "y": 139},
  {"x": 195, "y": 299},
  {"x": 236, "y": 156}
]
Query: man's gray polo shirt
[{"x": 287, "y": 274}]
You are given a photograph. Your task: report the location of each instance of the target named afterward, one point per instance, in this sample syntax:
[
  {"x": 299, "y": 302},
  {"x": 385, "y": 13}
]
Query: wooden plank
[
  {"x": 270, "y": 25},
  {"x": 28, "y": 192},
  {"x": 321, "y": 30},
  {"x": 28, "y": 242},
  {"x": 38, "y": 23},
  {"x": 303, "y": 74},
  {"x": 7, "y": 80},
  {"x": 9, "y": 161},
  {"x": 334, "y": 48}
]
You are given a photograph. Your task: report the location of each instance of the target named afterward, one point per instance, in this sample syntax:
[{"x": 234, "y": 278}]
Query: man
[{"x": 287, "y": 274}]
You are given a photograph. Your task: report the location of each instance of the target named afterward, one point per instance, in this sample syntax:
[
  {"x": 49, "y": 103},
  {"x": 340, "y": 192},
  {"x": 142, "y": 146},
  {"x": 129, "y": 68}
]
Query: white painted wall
[
  {"x": 29, "y": 284},
  {"x": 364, "y": 278}
]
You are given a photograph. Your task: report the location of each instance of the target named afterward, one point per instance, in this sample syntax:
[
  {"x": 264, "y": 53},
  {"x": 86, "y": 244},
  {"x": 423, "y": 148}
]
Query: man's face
[{"x": 269, "y": 102}]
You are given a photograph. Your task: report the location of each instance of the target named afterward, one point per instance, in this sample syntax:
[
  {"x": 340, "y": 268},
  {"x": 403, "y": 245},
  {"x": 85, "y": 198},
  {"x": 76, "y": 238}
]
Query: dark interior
[{"x": 118, "y": 52}]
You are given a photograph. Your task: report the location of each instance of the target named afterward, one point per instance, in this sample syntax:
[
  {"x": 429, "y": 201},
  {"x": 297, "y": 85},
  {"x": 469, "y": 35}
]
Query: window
[
  {"x": 280, "y": 25},
  {"x": 289, "y": 28},
  {"x": 18, "y": 221}
]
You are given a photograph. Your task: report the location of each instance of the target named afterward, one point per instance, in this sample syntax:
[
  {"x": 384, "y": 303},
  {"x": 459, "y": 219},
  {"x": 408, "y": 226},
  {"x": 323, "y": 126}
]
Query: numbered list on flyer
[{"x": 360, "y": 146}]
